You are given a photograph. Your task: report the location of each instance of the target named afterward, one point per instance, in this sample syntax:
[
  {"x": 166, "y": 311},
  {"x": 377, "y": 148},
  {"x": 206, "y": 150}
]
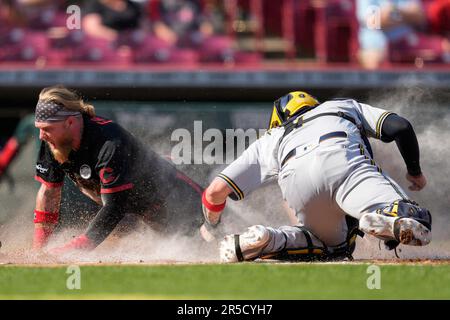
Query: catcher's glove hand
[{"x": 211, "y": 218}]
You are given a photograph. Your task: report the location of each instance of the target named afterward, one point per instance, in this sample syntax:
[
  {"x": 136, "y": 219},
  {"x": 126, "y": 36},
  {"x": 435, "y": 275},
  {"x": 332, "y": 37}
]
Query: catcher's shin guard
[
  {"x": 401, "y": 222},
  {"x": 244, "y": 247},
  {"x": 317, "y": 250}
]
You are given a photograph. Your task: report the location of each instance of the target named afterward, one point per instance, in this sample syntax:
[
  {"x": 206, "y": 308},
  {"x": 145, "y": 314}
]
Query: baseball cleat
[
  {"x": 247, "y": 246},
  {"x": 377, "y": 225},
  {"x": 405, "y": 230},
  {"x": 411, "y": 232}
]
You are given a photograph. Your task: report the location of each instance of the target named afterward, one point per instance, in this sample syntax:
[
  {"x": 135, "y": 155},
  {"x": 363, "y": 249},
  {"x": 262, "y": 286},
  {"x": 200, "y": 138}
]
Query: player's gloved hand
[
  {"x": 79, "y": 243},
  {"x": 211, "y": 211},
  {"x": 212, "y": 233},
  {"x": 209, "y": 230},
  {"x": 418, "y": 182},
  {"x": 212, "y": 218}
]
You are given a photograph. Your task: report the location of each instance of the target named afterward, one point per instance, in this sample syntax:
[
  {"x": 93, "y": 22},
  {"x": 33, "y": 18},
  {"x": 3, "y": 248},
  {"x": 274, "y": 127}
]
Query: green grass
[{"x": 237, "y": 281}]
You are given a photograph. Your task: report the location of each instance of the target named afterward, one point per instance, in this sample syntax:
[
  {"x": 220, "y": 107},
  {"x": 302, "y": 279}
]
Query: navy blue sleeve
[
  {"x": 107, "y": 218},
  {"x": 399, "y": 129}
]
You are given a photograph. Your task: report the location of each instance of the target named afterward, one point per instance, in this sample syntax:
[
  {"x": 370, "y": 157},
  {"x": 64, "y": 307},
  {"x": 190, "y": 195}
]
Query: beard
[{"x": 61, "y": 153}]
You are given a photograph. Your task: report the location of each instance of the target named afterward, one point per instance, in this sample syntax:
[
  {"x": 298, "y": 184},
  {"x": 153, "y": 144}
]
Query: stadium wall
[{"x": 20, "y": 85}]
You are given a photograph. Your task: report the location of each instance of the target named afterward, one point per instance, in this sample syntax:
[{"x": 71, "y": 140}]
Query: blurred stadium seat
[
  {"x": 312, "y": 31},
  {"x": 98, "y": 51},
  {"x": 47, "y": 18},
  {"x": 426, "y": 48},
  {"x": 24, "y": 45},
  {"x": 336, "y": 31}
]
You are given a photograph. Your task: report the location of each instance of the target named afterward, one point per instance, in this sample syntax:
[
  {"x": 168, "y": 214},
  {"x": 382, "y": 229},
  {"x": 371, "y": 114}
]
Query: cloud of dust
[
  {"x": 430, "y": 119},
  {"x": 141, "y": 245},
  {"x": 429, "y": 113}
]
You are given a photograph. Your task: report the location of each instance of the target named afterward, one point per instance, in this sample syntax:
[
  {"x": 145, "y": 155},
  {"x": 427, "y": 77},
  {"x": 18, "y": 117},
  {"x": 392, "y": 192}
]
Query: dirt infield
[
  {"x": 25, "y": 258},
  {"x": 149, "y": 249}
]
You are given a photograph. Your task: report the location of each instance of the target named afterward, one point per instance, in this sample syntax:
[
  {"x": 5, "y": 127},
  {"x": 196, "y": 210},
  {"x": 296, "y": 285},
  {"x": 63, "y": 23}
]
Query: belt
[{"x": 334, "y": 134}]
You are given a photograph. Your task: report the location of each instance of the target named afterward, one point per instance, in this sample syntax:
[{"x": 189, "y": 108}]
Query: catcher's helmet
[{"x": 296, "y": 102}]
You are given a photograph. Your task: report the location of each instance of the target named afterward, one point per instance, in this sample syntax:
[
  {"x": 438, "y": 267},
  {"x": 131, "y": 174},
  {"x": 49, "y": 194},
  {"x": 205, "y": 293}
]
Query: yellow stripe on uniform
[
  {"x": 352, "y": 239},
  {"x": 305, "y": 251},
  {"x": 269, "y": 255},
  {"x": 380, "y": 122},
  {"x": 361, "y": 149},
  {"x": 233, "y": 186},
  {"x": 395, "y": 208}
]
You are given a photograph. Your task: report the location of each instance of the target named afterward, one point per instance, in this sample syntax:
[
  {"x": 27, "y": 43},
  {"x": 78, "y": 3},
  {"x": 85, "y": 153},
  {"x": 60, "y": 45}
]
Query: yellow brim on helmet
[
  {"x": 275, "y": 118},
  {"x": 296, "y": 102}
]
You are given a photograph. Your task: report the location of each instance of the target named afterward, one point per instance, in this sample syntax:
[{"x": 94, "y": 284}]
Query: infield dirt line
[{"x": 268, "y": 262}]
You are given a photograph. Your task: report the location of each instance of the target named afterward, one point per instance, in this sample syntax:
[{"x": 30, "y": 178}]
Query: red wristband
[
  {"x": 41, "y": 235},
  {"x": 45, "y": 217},
  {"x": 210, "y": 206}
]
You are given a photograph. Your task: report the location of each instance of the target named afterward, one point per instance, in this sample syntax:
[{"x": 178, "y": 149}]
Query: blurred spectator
[
  {"x": 103, "y": 25},
  {"x": 214, "y": 12},
  {"x": 439, "y": 17},
  {"x": 396, "y": 29},
  {"x": 28, "y": 28},
  {"x": 10, "y": 16},
  {"x": 180, "y": 22},
  {"x": 106, "y": 18},
  {"x": 186, "y": 24},
  {"x": 42, "y": 14}
]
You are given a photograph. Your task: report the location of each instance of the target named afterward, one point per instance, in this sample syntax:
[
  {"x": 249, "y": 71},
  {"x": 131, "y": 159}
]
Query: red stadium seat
[
  {"x": 57, "y": 57},
  {"x": 249, "y": 58},
  {"x": 416, "y": 46},
  {"x": 336, "y": 31},
  {"x": 99, "y": 51},
  {"x": 24, "y": 46},
  {"x": 47, "y": 18},
  {"x": 217, "y": 49},
  {"x": 304, "y": 19},
  {"x": 154, "y": 50},
  {"x": 438, "y": 12}
]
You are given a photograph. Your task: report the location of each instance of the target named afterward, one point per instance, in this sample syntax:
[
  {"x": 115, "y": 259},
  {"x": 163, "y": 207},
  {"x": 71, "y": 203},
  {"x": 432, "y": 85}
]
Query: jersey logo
[
  {"x": 101, "y": 121},
  {"x": 41, "y": 169},
  {"x": 106, "y": 175}
]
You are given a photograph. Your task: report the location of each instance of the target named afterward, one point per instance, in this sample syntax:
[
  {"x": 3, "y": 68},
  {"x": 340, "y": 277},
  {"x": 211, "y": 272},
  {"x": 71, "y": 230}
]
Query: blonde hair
[{"x": 68, "y": 98}]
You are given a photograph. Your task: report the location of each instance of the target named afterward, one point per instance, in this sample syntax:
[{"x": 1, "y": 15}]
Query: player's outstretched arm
[
  {"x": 46, "y": 214},
  {"x": 104, "y": 222},
  {"x": 214, "y": 199},
  {"x": 399, "y": 129}
]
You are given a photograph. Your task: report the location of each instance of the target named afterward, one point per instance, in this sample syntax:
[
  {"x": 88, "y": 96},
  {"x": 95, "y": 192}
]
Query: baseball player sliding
[
  {"x": 320, "y": 154},
  {"x": 109, "y": 165}
]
